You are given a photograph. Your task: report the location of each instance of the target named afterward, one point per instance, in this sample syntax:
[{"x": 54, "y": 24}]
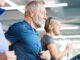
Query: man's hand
[
  {"x": 45, "y": 55},
  {"x": 9, "y": 55}
]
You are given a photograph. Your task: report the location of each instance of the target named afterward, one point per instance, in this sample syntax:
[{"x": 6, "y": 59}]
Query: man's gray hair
[{"x": 32, "y": 6}]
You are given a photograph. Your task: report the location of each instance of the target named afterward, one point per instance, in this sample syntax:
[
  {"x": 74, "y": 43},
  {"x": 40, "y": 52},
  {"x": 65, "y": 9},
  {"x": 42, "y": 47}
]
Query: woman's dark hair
[
  {"x": 47, "y": 29},
  {"x": 50, "y": 21}
]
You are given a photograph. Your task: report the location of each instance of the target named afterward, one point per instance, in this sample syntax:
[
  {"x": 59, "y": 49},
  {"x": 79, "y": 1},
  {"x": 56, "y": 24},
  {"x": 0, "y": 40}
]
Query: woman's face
[{"x": 56, "y": 29}]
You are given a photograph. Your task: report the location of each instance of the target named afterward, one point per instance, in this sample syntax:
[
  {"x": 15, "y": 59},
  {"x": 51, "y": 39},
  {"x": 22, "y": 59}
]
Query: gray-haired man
[{"x": 23, "y": 37}]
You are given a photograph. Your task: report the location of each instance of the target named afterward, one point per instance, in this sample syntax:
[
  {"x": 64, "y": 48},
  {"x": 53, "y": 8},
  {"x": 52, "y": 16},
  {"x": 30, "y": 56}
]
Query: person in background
[
  {"x": 52, "y": 28},
  {"x": 2, "y": 3},
  {"x": 4, "y": 53},
  {"x": 23, "y": 37}
]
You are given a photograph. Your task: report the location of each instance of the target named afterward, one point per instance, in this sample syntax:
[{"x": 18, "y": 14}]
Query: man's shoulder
[{"x": 18, "y": 24}]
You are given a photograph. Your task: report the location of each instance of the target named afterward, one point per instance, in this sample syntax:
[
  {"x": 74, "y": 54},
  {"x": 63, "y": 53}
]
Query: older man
[
  {"x": 4, "y": 53},
  {"x": 23, "y": 37}
]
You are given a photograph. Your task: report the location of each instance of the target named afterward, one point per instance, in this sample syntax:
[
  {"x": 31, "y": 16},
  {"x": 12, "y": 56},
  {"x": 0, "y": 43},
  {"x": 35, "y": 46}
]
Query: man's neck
[{"x": 29, "y": 20}]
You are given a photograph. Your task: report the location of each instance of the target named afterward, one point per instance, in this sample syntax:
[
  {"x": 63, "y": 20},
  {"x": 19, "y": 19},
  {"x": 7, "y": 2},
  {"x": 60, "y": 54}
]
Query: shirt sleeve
[
  {"x": 13, "y": 33},
  {"x": 1, "y": 33},
  {"x": 49, "y": 41},
  {"x": 3, "y": 42}
]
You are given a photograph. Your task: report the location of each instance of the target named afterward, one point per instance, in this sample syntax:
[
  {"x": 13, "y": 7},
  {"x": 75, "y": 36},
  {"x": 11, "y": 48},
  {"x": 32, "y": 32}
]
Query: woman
[{"x": 52, "y": 28}]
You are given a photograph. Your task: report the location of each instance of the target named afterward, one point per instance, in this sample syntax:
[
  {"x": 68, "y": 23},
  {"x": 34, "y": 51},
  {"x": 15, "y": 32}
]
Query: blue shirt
[
  {"x": 3, "y": 42},
  {"x": 25, "y": 41},
  {"x": 2, "y": 12}
]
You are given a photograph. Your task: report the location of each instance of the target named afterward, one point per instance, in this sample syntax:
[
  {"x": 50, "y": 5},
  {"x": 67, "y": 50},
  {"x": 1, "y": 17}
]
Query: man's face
[{"x": 40, "y": 17}]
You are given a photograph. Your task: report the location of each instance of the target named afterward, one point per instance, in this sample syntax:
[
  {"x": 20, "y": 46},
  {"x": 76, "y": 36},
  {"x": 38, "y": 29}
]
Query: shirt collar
[{"x": 30, "y": 26}]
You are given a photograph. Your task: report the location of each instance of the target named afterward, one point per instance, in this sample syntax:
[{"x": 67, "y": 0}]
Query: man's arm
[{"x": 9, "y": 55}]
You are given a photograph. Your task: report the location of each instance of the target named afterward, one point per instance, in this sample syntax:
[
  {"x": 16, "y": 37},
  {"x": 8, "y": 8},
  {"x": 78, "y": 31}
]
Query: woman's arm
[{"x": 55, "y": 53}]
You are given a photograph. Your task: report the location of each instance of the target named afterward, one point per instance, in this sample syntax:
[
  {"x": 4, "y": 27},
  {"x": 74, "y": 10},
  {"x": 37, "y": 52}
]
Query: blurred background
[{"x": 66, "y": 11}]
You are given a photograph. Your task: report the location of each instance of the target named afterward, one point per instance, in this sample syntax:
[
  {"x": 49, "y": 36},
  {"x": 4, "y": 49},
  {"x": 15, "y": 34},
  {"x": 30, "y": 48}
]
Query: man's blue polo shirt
[{"x": 25, "y": 41}]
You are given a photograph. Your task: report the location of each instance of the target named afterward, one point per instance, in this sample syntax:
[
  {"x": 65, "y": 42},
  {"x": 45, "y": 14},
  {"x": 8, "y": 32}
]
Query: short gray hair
[{"x": 32, "y": 6}]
